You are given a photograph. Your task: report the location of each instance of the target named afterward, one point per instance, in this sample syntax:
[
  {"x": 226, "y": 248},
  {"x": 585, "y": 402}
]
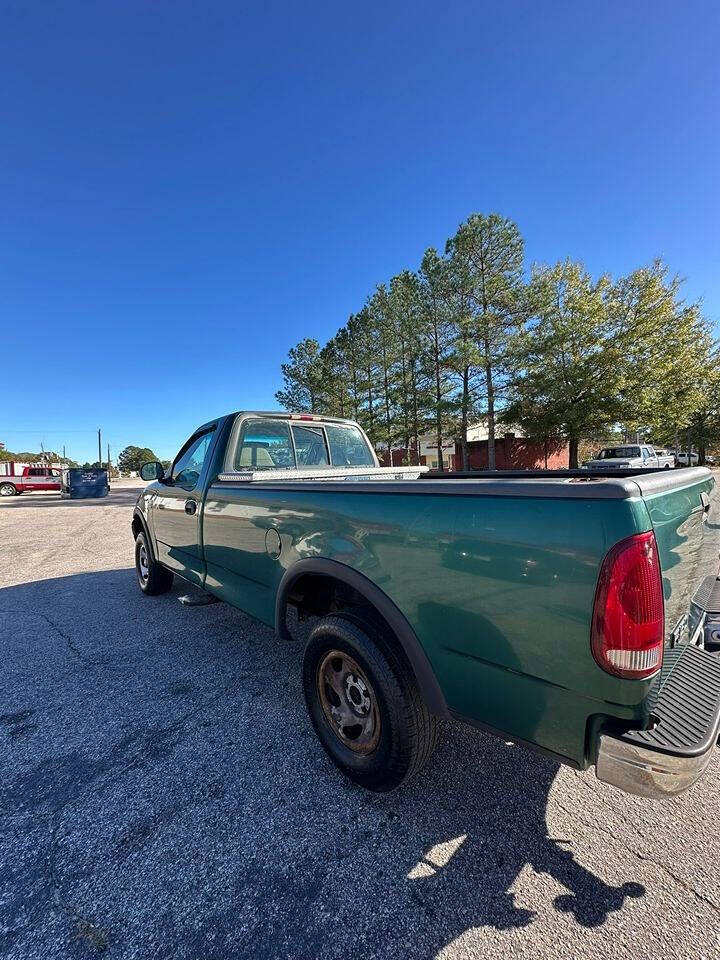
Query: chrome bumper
[
  {"x": 646, "y": 772},
  {"x": 673, "y": 752}
]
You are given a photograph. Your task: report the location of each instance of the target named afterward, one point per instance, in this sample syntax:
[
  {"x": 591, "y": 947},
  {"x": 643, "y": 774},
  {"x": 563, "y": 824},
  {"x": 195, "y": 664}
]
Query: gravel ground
[{"x": 162, "y": 796}]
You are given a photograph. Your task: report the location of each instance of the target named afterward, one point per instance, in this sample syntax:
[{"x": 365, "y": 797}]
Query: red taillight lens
[{"x": 628, "y": 623}]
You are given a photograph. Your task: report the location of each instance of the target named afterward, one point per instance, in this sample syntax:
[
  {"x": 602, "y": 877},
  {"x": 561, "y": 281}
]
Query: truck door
[
  {"x": 650, "y": 458},
  {"x": 242, "y": 528},
  {"x": 177, "y": 505},
  {"x": 41, "y": 478},
  {"x": 53, "y": 480}
]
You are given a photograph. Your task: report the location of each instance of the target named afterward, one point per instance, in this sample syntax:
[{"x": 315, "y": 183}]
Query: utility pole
[
  {"x": 108, "y": 460},
  {"x": 63, "y": 451},
  {"x": 99, "y": 447}
]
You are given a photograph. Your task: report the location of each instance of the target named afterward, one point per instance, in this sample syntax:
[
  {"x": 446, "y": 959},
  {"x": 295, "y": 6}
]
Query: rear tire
[
  {"x": 153, "y": 579},
  {"x": 7, "y": 490},
  {"x": 365, "y": 705}
]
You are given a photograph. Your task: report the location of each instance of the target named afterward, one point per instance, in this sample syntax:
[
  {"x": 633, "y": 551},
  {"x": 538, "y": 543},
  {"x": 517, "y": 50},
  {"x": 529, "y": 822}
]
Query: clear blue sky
[{"x": 187, "y": 189}]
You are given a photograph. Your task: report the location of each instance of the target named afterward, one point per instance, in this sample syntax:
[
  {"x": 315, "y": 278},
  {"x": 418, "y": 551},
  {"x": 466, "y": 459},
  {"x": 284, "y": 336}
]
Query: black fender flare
[
  {"x": 319, "y": 566},
  {"x": 139, "y": 515}
]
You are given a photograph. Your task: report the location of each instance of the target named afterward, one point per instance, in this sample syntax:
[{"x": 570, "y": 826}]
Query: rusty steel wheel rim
[{"x": 348, "y": 702}]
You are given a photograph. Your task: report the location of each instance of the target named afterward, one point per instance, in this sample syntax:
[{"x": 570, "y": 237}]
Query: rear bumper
[
  {"x": 645, "y": 772},
  {"x": 673, "y": 753}
]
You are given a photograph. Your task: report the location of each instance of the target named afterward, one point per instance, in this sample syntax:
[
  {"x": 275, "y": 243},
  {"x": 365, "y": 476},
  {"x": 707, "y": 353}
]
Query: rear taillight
[{"x": 628, "y": 622}]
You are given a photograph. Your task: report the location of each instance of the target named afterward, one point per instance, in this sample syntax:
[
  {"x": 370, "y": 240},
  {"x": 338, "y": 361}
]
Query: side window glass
[
  {"x": 310, "y": 447},
  {"x": 347, "y": 447},
  {"x": 188, "y": 466},
  {"x": 264, "y": 445}
]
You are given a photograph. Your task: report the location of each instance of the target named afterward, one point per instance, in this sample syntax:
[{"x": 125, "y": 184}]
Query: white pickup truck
[{"x": 641, "y": 456}]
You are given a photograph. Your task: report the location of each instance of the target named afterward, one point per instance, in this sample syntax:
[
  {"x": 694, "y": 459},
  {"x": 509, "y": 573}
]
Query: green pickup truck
[{"x": 574, "y": 612}]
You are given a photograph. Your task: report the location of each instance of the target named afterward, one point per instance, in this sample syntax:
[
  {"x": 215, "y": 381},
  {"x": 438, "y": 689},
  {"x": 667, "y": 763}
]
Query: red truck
[{"x": 16, "y": 478}]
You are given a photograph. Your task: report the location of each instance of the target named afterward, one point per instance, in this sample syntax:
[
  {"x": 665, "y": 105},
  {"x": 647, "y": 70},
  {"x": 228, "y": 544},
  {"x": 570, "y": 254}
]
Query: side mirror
[{"x": 152, "y": 470}]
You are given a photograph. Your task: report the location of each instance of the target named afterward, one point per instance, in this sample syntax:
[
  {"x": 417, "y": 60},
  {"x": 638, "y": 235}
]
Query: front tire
[
  {"x": 365, "y": 705},
  {"x": 153, "y": 579},
  {"x": 7, "y": 490}
]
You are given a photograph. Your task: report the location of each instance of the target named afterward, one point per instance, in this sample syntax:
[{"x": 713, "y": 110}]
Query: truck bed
[{"x": 566, "y": 484}]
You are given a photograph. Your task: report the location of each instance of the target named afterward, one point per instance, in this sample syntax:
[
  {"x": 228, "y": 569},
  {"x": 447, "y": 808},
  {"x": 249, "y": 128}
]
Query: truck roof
[{"x": 281, "y": 415}]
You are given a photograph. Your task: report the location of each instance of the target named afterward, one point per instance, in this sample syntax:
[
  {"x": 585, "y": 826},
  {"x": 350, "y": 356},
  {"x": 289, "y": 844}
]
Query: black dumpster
[{"x": 78, "y": 483}]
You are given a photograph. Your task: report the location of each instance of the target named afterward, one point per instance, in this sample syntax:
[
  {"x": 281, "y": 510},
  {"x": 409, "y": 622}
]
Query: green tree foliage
[
  {"x": 561, "y": 354},
  {"x": 572, "y": 366},
  {"x": 597, "y": 353},
  {"x": 668, "y": 345},
  {"x": 302, "y": 375},
  {"x": 489, "y": 252},
  {"x": 132, "y": 458},
  {"x": 25, "y": 456},
  {"x": 437, "y": 346}
]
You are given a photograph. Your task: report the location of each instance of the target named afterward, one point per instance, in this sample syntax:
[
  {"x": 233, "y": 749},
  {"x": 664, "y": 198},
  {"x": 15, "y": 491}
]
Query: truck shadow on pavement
[{"x": 165, "y": 794}]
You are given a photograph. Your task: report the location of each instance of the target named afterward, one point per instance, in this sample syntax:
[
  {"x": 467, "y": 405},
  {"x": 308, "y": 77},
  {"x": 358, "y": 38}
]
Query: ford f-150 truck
[
  {"x": 19, "y": 478},
  {"x": 569, "y": 611},
  {"x": 632, "y": 456}
]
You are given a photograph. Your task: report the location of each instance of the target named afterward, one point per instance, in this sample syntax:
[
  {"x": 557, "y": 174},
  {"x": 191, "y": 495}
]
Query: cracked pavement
[{"x": 162, "y": 795}]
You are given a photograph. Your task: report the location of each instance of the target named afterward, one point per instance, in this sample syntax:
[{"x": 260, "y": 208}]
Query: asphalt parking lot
[{"x": 162, "y": 795}]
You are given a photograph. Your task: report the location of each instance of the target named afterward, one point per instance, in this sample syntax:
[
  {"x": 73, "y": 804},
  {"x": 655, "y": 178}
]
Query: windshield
[{"x": 618, "y": 453}]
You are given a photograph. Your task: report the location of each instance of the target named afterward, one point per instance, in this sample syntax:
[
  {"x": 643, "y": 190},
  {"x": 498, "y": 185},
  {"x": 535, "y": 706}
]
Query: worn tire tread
[{"x": 422, "y": 728}]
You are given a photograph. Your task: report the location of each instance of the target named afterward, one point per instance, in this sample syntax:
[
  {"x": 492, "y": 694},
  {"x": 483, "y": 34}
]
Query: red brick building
[
  {"x": 511, "y": 453},
  {"x": 515, "y": 453}
]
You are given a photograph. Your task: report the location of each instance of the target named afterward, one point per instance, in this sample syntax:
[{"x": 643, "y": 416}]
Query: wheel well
[
  {"x": 137, "y": 525},
  {"x": 317, "y": 593}
]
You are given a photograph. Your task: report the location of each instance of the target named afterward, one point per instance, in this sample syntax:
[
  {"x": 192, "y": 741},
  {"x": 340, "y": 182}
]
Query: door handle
[{"x": 190, "y": 506}]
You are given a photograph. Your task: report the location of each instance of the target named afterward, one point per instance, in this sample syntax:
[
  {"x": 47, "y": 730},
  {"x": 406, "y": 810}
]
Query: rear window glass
[
  {"x": 310, "y": 447},
  {"x": 619, "y": 453},
  {"x": 264, "y": 445},
  {"x": 348, "y": 447}
]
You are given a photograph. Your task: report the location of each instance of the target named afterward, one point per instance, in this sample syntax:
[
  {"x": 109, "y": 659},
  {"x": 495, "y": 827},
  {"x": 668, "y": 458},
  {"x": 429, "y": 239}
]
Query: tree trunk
[
  {"x": 416, "y": 426},
  {"x": 573, "y": 458},
  {"x": 371, "y": 416},
  {"x": 438, "y": 402},
  {"x": 388, "y": 422},
  {"x": 490, "y": 416},
  {"x": 464, "y": 416},
  {"x": 405, "y": 404}
]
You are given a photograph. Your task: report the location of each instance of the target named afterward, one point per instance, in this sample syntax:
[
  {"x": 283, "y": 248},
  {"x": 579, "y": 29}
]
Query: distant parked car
[{"x": 682, "y": 459}]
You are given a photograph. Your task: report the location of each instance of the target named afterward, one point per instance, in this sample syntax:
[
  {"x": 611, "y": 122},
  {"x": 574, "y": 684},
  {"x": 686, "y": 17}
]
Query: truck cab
[{"x": 633, "y": 456}]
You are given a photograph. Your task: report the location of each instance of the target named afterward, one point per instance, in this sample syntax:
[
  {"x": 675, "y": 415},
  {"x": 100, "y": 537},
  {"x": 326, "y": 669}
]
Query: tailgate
[{"x": 682, "y": 509}]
